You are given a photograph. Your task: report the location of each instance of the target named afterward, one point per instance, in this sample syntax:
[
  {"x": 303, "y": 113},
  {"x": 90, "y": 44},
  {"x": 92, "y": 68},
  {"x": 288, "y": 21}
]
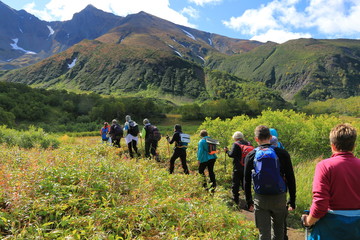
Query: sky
[{"x": 261, "y": 20}]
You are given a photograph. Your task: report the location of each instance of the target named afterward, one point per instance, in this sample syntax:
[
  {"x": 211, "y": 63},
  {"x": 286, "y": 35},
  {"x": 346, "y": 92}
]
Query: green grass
[{"x": 87, "y": 190}]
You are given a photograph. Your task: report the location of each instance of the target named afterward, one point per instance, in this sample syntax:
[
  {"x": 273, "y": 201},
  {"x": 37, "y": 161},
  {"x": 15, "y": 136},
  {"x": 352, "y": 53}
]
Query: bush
[{"x": 34, "y": 137}]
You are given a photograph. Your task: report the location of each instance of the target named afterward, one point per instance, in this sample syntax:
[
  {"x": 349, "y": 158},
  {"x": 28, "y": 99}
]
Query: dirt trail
[{"x": 293, "y": 234}]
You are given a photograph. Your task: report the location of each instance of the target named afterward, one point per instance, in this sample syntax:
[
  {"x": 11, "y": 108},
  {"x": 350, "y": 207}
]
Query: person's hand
[
  {"x": 304, "y": 220},
  {"x": 290, "y": 208},
  {"x": 251, "y": 208}
]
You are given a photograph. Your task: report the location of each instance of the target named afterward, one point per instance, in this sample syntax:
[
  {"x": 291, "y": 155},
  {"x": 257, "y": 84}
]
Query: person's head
[
  {"x": 203, "y": 133},
  {"x": 274, "y": 141},
  {"x": 238, "y": 136},
  {"x": 177, "y": 128},
  {"x": 127, "y": 118},
  {"x": 114, "y": 121},
  {"x": 273, "y": 132},
  {"x": 105, "y": 124},
  {"x": 262, "y": 134},
  {"x": 146, "y": 121},
  {"x": 342, "y": 138}
]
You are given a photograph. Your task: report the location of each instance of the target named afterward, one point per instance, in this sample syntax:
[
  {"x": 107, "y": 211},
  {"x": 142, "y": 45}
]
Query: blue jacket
[{"x": 203, "y": 151}]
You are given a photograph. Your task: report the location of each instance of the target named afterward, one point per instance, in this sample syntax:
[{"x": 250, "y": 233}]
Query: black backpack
[
  {"x": 118, "y": 131},
  {"x": 154, "y": 133},
  {"x": 133, "y": 128}
]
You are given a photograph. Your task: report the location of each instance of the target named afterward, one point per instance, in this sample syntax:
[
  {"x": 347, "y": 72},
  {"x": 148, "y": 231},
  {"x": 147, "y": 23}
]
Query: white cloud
[
  {"x": 279, "y": 36},
  {"x": 64, "y": 9},
  {"x": 204, "y": 2},
  {"x": 329, "y": 17},
  {"x": 191, "y": 12},
  {"x": 335, "y": 17}
]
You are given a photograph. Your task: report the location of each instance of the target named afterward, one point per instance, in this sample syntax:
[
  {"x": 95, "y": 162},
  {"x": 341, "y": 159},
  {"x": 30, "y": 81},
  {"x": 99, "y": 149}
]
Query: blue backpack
[
  {"x": 266, "y": 174},
  {"x": 104, "y": 132}
]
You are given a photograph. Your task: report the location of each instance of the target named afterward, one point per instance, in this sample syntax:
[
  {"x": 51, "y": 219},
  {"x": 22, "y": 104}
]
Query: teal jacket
[{"x": 203, "y": 151}]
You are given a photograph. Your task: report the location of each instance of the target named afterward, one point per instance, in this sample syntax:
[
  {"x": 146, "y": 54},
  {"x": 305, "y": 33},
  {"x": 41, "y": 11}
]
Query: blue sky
[{"x": 262, "y": 20}]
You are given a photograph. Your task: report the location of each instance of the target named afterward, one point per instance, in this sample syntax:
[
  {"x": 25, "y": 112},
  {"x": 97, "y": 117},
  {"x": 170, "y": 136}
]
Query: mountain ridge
[{"x": 144, "y": 52}]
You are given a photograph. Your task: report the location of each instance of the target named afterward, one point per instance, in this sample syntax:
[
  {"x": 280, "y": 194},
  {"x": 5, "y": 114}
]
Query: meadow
[{"x": 80, "y": 188}]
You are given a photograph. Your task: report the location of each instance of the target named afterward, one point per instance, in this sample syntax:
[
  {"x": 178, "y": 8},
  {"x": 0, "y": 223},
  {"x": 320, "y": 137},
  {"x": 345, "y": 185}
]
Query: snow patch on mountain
[
  {"x": 72, "y": 64},
  {"x": 16, "y": 47},
  {"x": 51, "y": 30},
  {"x": 189, "y": 34},
  {"x": 210, "y": 42},
  {"x": 178, "y": 53},
  {"x": 201, "y": 58}
]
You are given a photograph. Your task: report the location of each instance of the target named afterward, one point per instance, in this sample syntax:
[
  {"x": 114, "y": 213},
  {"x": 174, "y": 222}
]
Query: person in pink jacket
[{"x": 336, "y": 189}]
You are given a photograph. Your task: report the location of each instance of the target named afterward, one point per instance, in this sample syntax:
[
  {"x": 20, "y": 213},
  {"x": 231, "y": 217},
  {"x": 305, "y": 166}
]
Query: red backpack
[{"x": 245, "y": 149}]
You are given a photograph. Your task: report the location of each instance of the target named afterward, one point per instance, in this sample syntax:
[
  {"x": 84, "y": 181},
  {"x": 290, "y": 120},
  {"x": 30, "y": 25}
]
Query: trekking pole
[
  {"x": 225, "y": 161},
  {"x": 306, "y": 227}
]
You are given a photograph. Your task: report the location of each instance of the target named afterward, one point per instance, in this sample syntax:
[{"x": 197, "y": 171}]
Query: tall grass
[{"x": 88, "y": 190}]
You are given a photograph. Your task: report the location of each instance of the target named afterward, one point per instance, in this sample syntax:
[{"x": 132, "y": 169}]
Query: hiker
[
  {"x": 206, "y": 160},
  {"x": 335, "y": 210},
  {"x": 270, "y": 169},
  {"x": 116, "y": 133},
  {"x": 240, "y": 148},
  {"x": 152, "y": 136},
  {"x": 132, "y": 132},
  {"x": 105, "y": 133},
  {"x": 274, "y": 133},
  {"x": 179, "y": 149}
]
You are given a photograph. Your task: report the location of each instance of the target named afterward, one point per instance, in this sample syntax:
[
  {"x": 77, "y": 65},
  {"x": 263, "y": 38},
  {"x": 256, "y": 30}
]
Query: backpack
[
  {"x": 212, "y": 145},
  {"x": 133, "y": 129},
  {"x": 104, "y": 133},
  {"x": 266, "y": 174},
  {"x": 184, "y": 140},
  {"x": 118, "y": 131},
  {"x": 245, "y": 149},
  {"x": 154, "y": 133}
]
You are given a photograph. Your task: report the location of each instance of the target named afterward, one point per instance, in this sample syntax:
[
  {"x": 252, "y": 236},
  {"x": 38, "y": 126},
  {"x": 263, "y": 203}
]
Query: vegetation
[
  {"x": 60, "y": 111},
  {"x": 338, "y": 107},
  {"x": 28, "y": 139},
  {"x": 84, "y": 190}
]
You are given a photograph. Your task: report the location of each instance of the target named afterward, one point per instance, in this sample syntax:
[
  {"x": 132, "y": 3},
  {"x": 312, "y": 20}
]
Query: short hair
[
  {"x": 203, "y": 133},
  {"x": 262, "y": 132},
  {"x": 343, "y": 137},
  {"x": 146, "y": 121},
  {"x": 238, "y": 135},
  {"x": 177, "y": 127}
]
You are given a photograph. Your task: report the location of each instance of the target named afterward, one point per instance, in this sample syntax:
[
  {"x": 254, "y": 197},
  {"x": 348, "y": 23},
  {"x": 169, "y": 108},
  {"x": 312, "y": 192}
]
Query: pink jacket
[{"x": 336, "y": 184}]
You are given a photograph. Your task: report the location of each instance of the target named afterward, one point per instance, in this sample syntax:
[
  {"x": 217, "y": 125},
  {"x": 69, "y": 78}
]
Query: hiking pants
[
  {"x": 270, "y": 215},
  {"x": 237, "y": 182},
  {"x": 150, "y": 147},
  {"x": 210, "y": 167},
  {"x": 116, "y": 141},
  {"x": 132, "y": 145},
  {"x": 179, "y": 153}
]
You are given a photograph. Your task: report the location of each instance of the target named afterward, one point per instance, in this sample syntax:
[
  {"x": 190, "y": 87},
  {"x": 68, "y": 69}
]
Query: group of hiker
[{"x": 267, "y": 170}]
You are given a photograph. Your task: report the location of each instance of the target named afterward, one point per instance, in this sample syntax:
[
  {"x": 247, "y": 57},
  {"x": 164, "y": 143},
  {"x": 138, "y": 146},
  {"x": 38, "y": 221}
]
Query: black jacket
[
  {"x": 236, "y": 154},
  {"x": 286, "y": 170}
]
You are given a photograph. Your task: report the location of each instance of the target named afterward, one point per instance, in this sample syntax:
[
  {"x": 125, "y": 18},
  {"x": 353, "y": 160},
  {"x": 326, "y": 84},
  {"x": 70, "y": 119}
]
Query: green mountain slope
[{"x": 304, "y": 68}]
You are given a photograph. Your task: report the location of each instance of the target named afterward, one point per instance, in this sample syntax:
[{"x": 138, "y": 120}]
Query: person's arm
[
  {"x": 175, "y": 138},
  {"x": 321, "y": 191},
  {"x": 290, "y": 180},
  {"x": 234, "y": 152},
  {"x": 249, "y": 166}
]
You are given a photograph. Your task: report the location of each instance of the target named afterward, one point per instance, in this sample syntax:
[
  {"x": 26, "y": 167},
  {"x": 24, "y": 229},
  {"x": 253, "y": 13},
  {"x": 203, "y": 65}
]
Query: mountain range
[{"x": 142, "y": 54}]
